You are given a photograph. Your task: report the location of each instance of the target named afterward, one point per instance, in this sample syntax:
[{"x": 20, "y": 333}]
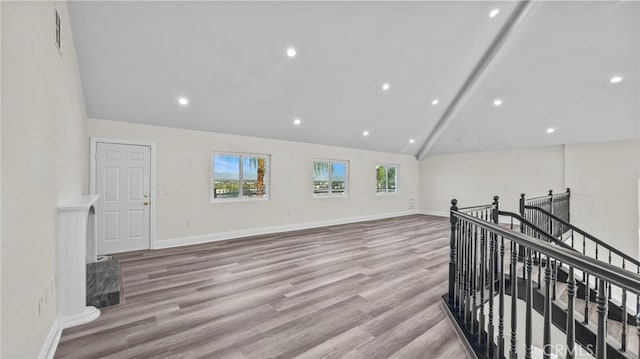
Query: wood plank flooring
[{"x": 366, "y": 290}]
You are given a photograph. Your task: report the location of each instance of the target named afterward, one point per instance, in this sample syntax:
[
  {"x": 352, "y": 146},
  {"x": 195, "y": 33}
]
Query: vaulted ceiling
[{"x": 550, "y": 63}]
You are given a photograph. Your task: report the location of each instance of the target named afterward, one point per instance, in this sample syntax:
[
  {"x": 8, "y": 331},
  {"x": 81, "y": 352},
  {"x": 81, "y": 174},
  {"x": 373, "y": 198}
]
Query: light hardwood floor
[{"x": 366, "y": 290}]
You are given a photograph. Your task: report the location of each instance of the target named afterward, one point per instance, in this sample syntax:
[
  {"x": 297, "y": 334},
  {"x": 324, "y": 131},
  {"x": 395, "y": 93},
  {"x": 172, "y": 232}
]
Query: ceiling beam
[{"x": 488, "y": 56}]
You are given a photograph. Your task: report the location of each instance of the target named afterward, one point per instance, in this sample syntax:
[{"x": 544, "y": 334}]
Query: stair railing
[
  {"x": 590, "y": 245},
  {"x": 557, "y": 204},
  {"x": 477, "y": 244}
]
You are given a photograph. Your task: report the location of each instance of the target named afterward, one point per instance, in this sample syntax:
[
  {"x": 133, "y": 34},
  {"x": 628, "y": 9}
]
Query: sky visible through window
[
  {"x": 227, "y": 167},
  {"x": 339, "y": 172}
]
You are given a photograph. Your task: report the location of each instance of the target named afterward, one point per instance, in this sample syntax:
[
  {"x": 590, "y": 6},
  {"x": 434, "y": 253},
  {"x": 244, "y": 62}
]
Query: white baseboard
[
  {"x": 222, "y": 236},
  {"x": 51, "y": 343}
]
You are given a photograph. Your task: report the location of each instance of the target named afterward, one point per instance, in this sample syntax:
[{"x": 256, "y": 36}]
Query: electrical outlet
[{"x": 412, "y": 203}]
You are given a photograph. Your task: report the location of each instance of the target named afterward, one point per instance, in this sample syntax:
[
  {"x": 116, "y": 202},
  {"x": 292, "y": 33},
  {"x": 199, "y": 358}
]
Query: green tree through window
[
  {"x": 386, "y": 178},
  {"x": 329, "y": 178}
]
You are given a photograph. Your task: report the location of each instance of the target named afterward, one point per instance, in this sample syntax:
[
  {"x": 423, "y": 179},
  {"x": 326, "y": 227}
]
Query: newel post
[
  {"x": 494, "y": 212},
  {"x": 452, "y": 252},
  {"x": 522, "y": 204}
]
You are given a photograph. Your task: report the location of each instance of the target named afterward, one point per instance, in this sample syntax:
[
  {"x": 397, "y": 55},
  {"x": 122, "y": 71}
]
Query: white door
[{"x": 123, "y": 174}]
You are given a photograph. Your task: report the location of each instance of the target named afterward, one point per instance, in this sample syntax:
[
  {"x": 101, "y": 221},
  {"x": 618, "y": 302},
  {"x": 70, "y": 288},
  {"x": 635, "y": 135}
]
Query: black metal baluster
[
  {"x": 571, "y": 331},
  {"x": 491, "y": 294},
  {"x": 474, "y": 287},
  {"x": 501, "y": 303},
  {"x": 539, "y": 270},
  {"x": 452, "y": 253},
  {"x": 468, "y": 312},
  {"x": 549, "y": 222},
  {"x": 638, "y": 318},
  {"x": 568, "y": 205},
  {"x": 546, "y": 338},
  {"x": 638, "y": 329},
  {"x": 460, "y": 288},
  {"x": 609, "y": 295},
  {"x": 528, "y": 321},
  {"x": 483, "y": 272},
  {"x": 601, "y": 338},
  {"x": 554, "y": 278},
  {"x": 584, "y": 249},
  {"x": 572, "y": 238},
  {"x": 587, "y": 295},
  {"x": 514, "y": 297},
  {"x": 465, "y": 288},
  {"x": 623, "y": 339}
]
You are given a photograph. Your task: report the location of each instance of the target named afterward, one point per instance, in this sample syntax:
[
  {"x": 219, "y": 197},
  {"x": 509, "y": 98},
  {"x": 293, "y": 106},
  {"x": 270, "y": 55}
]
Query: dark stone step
[{"x": 103, "y": 283}]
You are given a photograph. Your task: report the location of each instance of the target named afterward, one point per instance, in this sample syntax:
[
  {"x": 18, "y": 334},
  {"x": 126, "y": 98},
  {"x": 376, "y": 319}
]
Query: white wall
[
  {"x": 603, "y": 178},
  {"x": 474, "y": 178},
  {"x": 44, "y": 162},
  {"x": 184, "y": 175},
  {"x": 604, "y": 190}
]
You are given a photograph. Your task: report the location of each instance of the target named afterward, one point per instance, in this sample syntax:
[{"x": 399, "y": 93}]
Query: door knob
[{"x": 146, "y": 203}]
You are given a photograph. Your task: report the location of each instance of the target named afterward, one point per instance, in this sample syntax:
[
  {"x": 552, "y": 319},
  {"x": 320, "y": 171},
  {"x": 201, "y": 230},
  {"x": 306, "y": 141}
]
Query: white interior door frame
[{"x": 152, "y": 192}]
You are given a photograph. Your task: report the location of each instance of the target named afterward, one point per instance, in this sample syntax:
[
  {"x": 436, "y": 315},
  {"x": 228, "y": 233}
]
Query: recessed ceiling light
[
  {"x": 412, "y": 140},
  {"x": 291, "y": 52},
  {"x": 385, "y": 86},
  {"x": 615, "y": 79},
  {"x": 551, "y": 130},
  {"x": 183, "y": 101},
  {"x": 494, "y": 13},
  {"x": 297, "y": 121},
  {"x": 365, "y": 133},
  {"x": 497, "y": 102},
  {"x": 435, "y": 102}
]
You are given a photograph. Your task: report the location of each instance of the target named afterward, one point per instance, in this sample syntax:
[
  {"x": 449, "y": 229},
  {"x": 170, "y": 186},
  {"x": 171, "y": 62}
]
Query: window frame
[
  {"x": 386, "y": 173},
  {"x": 241, "y": 197},
  {"x": 345, "y": 194}
]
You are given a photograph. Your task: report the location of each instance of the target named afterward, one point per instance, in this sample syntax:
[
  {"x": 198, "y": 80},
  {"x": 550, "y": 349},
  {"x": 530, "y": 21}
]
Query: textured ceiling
[{"x": 228, "y": 58}]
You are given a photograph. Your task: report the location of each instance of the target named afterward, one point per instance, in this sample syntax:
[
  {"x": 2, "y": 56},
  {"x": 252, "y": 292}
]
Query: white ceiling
[
  {"x": 554, "y": 71},
  {"x": 228, "y": 58}
]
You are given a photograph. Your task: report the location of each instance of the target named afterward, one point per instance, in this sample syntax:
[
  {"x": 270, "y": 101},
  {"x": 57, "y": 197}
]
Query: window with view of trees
[
  {"x": 386, "y": 178},
  {"x": 330, "y": 178},
  {"x": 239, "y": 176}
]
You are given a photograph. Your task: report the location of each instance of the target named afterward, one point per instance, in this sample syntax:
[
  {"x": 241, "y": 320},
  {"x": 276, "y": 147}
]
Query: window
[
  {"x": 329, "y": 178},
  {"x": 387, "y": 178},
  {"x": 239, "y": 177}
]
